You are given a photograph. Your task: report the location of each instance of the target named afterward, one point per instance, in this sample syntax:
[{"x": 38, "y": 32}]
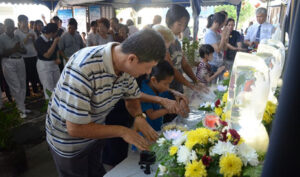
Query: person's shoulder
[{"x": 145, "y": 87}]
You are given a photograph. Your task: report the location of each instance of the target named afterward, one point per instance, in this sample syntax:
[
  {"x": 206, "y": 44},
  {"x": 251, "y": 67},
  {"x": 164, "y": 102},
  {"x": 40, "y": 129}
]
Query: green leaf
[{"x": 251, "y": 171}]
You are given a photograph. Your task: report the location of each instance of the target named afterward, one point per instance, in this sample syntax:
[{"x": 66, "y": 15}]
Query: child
[
  {"x": 161, "y": 77},
  {"x": 204, "y": 72}
]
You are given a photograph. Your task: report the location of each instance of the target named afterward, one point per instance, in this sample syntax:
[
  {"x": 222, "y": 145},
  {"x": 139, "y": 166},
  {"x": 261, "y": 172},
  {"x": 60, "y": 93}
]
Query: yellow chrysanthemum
[
  {"x": 195, "y": 169},
  {"x": 242, "y": 140},
  {"x": 267, "y": 118},
  {"x": 230, "y": 165},
  {"x": 271, "y": 108},
  {"x": 223, "y": 117},
  {"x": 200, "y": 136},
  {"x": 173, "y": 150},
  {"x": 224, "y": 98},
  {"x": 218, "y": 111}
]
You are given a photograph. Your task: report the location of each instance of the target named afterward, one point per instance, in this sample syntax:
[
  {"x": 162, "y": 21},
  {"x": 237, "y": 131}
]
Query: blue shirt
[{"x": 157, "y": 123}]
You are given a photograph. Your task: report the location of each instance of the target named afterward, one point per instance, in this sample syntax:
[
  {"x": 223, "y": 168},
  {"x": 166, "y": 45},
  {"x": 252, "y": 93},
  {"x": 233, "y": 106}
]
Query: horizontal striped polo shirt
[{"x": 86, "y": 92}]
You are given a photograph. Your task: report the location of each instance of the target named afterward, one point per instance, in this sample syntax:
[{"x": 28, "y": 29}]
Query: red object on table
[{"x": 210, "y": 121}]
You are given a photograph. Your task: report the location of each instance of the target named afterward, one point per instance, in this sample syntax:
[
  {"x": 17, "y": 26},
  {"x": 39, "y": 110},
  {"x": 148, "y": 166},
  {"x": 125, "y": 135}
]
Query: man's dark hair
[
  {"x": 37, "y": 22},
  {"x": 148, "y": 45},
  {"x": 94, "y": 23},
  {"x": 50, "y": 28},
  {"x": 73, "y": 22},
  {"x": 218, "y": 17},
  {"x": 129, "y": 22},
  {"x": 56, "y": 19},
  {"x": 162, "y": 70},
  {"x": 224, "y": 12},
  {"x": 230, "y": 20},
  {"x": 22, "y": 18},
  {"x": 105, "y": 22},
  {"x": 205, "y": 49},
  {"x": 175, "y": 13},
  {"x": 115, "y": 20}
]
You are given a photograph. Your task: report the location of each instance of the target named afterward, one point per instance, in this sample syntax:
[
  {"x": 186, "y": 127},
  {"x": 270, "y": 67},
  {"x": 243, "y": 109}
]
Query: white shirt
[
  {"x": 132, "y": 29},
  {"x": 7, "y": 42},
  {"x": 265, "y": 32},
  {"x": 92, "y": 39},
  {"x": 29, "y": 46}
]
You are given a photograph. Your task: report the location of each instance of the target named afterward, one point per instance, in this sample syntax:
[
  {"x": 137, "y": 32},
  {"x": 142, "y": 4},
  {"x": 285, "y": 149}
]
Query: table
[{"x": 130, "y": 167}]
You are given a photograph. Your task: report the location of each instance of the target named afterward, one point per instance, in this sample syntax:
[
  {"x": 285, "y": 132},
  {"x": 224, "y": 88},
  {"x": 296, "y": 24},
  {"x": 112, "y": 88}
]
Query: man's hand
[
  {"x": 170, "y": 105},
  {"x": 132, "y": 137},
  {"x": 141, "y": 125}
]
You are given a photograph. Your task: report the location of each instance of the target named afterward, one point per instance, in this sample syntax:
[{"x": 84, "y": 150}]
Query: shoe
[
  {"x": 23, "y": 115},
  {"x": 27, "y": 111}
]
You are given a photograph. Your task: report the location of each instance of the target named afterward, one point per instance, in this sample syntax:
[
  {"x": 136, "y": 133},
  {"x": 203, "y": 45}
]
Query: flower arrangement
[
  {"x": 269, "y": 115},
  {"x": 205, "y": 152}
]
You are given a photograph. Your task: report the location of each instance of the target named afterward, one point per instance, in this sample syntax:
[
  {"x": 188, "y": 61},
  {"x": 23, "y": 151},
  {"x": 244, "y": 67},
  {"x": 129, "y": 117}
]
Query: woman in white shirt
[{"x": 28, "y": 37}]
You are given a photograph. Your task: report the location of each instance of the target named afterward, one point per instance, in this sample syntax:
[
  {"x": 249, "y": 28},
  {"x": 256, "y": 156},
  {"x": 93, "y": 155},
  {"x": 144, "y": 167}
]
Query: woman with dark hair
[
  {"x": 103, "y": 27},
  {"x": 234, "y": 44},
  {"x": 122, "y": 34},
  {"x": 218, "y": 41},
  {"x": 177, "y": 19},
  {"x": 48, "y": 57},
  {"x": 38, "y": 27}
]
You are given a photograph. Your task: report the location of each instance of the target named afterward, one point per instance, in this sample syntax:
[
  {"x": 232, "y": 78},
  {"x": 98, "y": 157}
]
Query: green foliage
[
  {"x": 247, "y": 10},
  {"x": 251, "y": 171},
  {"x": 9, "y": 120},
  {"x": 190, "y": 49}
]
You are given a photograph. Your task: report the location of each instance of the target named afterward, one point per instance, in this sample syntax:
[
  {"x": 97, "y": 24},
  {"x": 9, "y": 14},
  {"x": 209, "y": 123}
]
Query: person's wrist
[{"x": 122, "y": 131}]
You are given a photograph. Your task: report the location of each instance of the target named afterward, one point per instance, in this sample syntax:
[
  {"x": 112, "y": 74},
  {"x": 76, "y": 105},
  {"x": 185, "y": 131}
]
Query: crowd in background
[{"x": 34, "y": 54}]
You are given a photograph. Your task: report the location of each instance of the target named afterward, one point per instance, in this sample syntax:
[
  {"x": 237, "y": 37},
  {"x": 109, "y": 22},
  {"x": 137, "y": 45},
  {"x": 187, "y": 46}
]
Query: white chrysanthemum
[
  {"x": 247, "y": 154},
  {"x": 161, "y": 141},
  {"x": 212, "y": 105},
  {"x": 193, "y": 155},
  {"x": 183, "y": 155},
  {"x": 222, "y": 148},
  {"x": 207, "y": 104},
  {"x": 162, "y": 170},
  {"x": 179, "y": 140},
  {"x": 222, "y": 88},
  {"x": 172, "y": 134}
]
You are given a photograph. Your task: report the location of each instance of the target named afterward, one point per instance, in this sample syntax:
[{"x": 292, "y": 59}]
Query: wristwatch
[{"x": 141, "y": 115}]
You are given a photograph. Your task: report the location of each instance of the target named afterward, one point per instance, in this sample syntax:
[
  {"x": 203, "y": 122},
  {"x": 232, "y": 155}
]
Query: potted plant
[
  {"x": 12, "y": 155},
  {"x": 190, "y": 50}
]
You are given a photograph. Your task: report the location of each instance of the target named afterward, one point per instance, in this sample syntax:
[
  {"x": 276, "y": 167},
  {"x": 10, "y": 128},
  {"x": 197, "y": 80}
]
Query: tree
[{"x": 247, "y": 10}]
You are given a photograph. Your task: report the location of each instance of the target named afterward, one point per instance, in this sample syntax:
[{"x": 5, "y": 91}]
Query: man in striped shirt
[{"x": 94, "y": 80}]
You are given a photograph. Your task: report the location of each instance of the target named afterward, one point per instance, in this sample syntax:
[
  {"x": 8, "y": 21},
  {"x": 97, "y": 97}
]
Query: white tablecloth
[{"x": 130, "y": 167}]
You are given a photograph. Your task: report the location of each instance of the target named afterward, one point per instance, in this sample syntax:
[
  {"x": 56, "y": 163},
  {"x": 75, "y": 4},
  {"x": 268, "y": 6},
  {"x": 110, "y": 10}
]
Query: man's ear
[
  {"x": 153, "y": 79},
  {"x": 132, "y": 58}
]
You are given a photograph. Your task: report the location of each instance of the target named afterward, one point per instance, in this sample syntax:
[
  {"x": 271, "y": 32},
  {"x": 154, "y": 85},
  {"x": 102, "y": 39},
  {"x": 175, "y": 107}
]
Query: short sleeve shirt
[
  {"x": 70, "y": 44},
  {"x": 211, "y": 38},
  {"x": 29, "y": 46},
  {"x": 176, "y": 57},
  {"x": 105, "y": 41},
  {"x": 266, "y": 32},
  {"x": 9, "y": 43},
  {"x": 157, "y": 123},
  {"x": 234, "y": 38},
  {"x": 86, "y": 92},
  {"x": 92, "y": 39},
  {"x": 203, "y": 70},
  {"x": 43, "y": 45}
]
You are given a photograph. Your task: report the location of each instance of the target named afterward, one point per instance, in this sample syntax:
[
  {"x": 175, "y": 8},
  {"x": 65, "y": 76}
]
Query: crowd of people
[{"x": 115, "y": 83}]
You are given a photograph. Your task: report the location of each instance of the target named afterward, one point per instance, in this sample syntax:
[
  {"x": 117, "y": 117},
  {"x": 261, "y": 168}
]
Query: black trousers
[
  {"x": 116, "y": 149},
  {"x": 86, "y": 164},
  {"x": 31, "y": 74}
]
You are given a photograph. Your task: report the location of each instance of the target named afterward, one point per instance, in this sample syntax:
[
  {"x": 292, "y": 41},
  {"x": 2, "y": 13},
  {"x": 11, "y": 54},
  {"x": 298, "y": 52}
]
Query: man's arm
[
  {"x": 134, "y": 108},
  {"x": 98, "y": 131}
]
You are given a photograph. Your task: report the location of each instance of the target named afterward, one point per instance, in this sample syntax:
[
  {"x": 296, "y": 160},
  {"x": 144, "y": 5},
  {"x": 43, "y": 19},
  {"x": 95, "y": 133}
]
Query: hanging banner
[
  {"x": 80, "y": 16},
  {"x": 65, "y": 15},
  {"x": 94, "y": 13}
]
